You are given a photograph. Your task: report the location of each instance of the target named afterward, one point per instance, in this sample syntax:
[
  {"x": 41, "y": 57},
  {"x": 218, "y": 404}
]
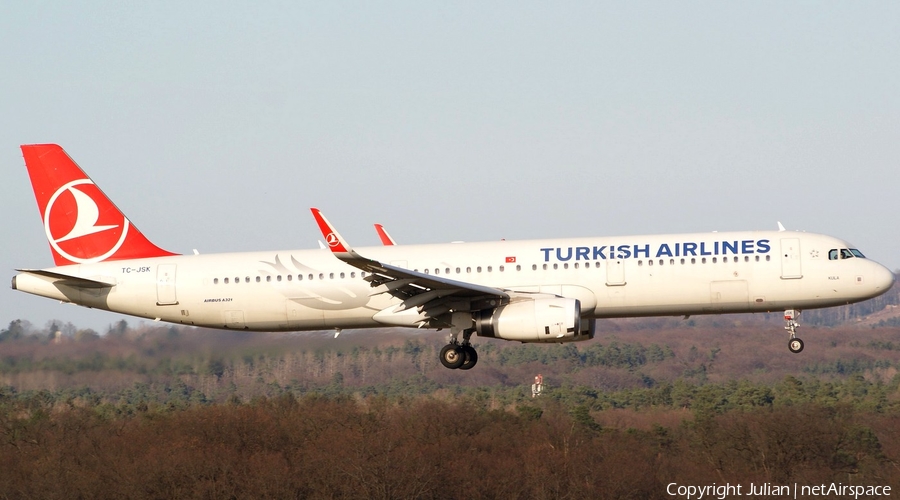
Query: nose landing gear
[{"x": 794, "y": 344}]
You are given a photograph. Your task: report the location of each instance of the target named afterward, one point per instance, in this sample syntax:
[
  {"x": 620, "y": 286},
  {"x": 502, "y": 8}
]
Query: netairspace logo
[{"x": 795, "y": 491}]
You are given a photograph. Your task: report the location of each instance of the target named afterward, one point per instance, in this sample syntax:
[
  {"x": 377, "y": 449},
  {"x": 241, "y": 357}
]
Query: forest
[{"x": 146, "y": 410}]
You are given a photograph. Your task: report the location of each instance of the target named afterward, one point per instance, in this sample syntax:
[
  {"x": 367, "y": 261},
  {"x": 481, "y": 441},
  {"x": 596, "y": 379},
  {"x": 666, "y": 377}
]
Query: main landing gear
[
  {"x": 458, "y": 354},
  {"x": 794, "y": 344}
]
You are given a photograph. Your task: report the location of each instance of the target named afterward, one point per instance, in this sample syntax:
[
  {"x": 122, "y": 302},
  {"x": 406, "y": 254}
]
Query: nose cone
[{"x": 883, "y": 279}]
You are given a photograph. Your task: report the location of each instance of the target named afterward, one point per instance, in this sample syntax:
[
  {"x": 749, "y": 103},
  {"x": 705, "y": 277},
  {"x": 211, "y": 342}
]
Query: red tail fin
[{"x": 81, "y": 223}]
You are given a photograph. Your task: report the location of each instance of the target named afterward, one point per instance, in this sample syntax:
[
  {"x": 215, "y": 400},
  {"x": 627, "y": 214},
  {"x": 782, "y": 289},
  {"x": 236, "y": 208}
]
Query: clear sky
[{"x": 216, "y": 125}]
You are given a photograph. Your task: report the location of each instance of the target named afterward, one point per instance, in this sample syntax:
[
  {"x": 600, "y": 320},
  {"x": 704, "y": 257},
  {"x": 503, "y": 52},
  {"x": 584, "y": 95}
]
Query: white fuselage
[{"x": 682, "y": 274}]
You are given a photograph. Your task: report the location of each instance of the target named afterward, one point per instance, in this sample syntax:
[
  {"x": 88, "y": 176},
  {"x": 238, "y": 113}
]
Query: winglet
[
  {"x": 386, "y": 239},
  {"x": 333, "y": 239}
]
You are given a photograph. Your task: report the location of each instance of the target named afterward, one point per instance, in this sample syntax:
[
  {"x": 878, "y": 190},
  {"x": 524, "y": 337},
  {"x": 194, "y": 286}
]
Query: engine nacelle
[{"x": 546, "y": 319}]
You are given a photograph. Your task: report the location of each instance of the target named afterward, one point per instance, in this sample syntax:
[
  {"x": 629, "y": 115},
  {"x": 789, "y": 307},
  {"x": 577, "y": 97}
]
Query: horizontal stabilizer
[{"x": 68, "y": 280}]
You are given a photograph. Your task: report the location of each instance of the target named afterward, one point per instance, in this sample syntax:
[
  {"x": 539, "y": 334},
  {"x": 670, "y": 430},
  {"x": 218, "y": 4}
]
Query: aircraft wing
[
  {"x": 415, "y": 288},
  {"x": 65, "y": 279}
]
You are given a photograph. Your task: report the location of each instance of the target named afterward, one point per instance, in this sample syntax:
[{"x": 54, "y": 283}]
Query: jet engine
[{"x": 545, "y": 319}]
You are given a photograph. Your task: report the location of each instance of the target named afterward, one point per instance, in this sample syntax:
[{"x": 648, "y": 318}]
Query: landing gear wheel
[
  {"x": 795, "y": 344},
  {"x": 452, "y": 356},
  {"x": 471, "y": 357}
]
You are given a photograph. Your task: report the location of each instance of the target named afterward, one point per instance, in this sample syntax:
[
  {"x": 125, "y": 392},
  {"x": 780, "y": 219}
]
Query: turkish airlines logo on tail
[
  {"x": 79, "y": 228},
  {"x": 332, "y": 240}
]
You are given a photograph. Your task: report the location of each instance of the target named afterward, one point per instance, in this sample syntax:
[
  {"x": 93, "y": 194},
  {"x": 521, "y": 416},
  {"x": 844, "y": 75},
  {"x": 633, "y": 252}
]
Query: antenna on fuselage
[{"x": 781, "y": 227}]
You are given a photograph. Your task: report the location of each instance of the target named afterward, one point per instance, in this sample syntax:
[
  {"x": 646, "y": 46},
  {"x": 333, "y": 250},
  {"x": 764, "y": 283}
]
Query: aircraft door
[
  {"x": 165, "y": 285},
  {"x": 615, "y": 272},
  {"x": 790, "y": 258},
  {"x": 233, "y": 319}
]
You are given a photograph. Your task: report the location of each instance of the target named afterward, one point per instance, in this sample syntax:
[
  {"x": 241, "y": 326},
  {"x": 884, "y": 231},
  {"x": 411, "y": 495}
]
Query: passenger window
[
  {"x": 746, "y": 258},
  {"x": 478, "y": 269},
  {"x": 353, "y": 274},
  {"x": 661, "y": 262},
  {"x": 597, "y": 264},
  {"x": 545, "y": 267},
  {"x": 290, "y": 277},
  {"x": 447, "y": 271},
  {"x": 310, "y": 277},
  {"x": 672, "y": 262},
  {"x": 518, "y": 267},
  {"x": 703, "y": 260},
  {"x": 437, "y": 271},
  {"x": 321, "y": 276},
  {"x": 331, "y": 276},
  {"x": 268, "y": 279},
  {"x": 278, "y": 278},
  {"x": 468, "y": 269},
  {"x": 237, "y": 279},
  {"x": 649, "y": 262},
  {"x": 566, "y": 265},
  {"x": 640, "y": 263},
  {"x": 342, "y": 275},
  {"x": 682, "y": 261},
  {"x": 555, "y": 266},
  {"x": 714, "y": 260},
  {"x": 757, "y": 258},
  {"x": 457, "y": 270},
  {"x": 500, "y": 269},
  {"x": 576, "y": 265},
  {"x": 258, "y": 279},
  {"x": 226, "y": 281},
  {"x": 693, "y": 260},
  {"x": 215, "y": 281},
  {"x": 768, "y": 258}
]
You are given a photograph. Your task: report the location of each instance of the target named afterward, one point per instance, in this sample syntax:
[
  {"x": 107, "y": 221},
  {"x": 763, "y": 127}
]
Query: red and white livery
[{"x": 527, "y": 291}]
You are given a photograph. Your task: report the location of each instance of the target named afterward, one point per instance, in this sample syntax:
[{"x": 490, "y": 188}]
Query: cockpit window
[{"x": 844, "y": 253}]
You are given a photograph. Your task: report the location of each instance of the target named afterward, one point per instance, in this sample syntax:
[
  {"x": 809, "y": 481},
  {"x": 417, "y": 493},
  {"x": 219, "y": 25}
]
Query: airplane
[{"x": 547, "y": 291}]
